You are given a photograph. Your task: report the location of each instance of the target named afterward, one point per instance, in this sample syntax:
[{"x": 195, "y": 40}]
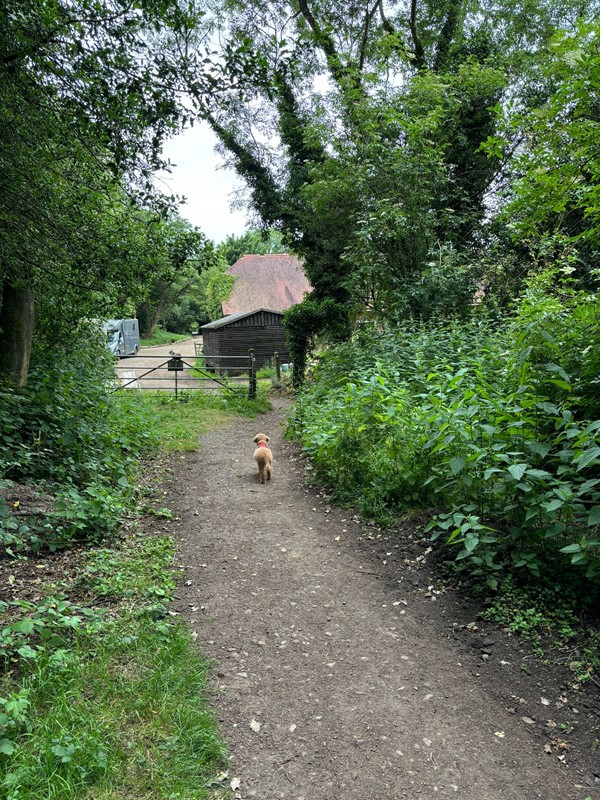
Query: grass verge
[
  {"x": 113, "y": 707},
  {"x": 179, "y": 421},
  {"x": 163, "y": 337},
  {"x": 103, "y": 694}
]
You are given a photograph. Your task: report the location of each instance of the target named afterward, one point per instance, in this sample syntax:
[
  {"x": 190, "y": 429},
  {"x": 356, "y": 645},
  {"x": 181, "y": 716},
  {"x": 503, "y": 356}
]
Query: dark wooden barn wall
[
  {"x": 234, "y": 340},
  {"x": 260, "y": 318}
]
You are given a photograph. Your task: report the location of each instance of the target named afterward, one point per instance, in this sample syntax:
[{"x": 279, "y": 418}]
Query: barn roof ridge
[{"x": 219, "y": 323}]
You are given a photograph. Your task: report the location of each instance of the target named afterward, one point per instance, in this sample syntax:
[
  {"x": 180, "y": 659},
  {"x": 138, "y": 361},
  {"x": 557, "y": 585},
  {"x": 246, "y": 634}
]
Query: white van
[{"x": 122, "y": 337}]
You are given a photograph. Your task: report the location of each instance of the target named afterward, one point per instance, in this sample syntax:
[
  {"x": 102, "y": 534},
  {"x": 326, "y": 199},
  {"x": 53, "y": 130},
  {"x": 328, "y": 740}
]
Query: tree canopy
[
  {"x": 365, "y": 144},
  {"x": 88, "y": 92}
]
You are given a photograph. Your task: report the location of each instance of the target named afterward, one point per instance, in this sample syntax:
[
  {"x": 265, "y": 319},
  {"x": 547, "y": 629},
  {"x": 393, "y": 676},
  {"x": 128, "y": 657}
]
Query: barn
[{"x": 226, "y": 341}]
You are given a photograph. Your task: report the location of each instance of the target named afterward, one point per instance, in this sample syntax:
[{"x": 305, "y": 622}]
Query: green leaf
[
  {"x": 594, "y": 516},
  {"x": 489, "y": 472},
  {"x": 558, "y": 370},
  {"x": 571, "y": 548},
  {"x": 27, "y": 652},
  {"x": 587, "y": 457},
  {"x": 23, "y": 625},
  {"x": 456, "y": 464},
  {"x": 518, "y": 470},
  {"x": 549, "y": 408},
  {"x": 553, "y": 505},
  {"x": 7, "y": 747},
  {"x": 538, "y": 473}
]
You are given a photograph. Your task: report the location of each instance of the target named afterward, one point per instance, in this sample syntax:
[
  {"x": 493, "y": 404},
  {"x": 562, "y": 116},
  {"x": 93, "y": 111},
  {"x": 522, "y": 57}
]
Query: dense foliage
[
  {"x": 494, "y": 423},
  {"x": 88, "y": 93},
  {"x": 402, "y": 133},
  {"x": 69, "y": 437}
]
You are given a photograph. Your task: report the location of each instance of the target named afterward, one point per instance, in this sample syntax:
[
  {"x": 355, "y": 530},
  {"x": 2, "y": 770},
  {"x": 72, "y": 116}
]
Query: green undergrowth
[
  {"x": 161, "y": 337},
  {"x": 489, "y": 426},
  {"x": 111, "y": 703},
  {"x": 102, "y": 689}
]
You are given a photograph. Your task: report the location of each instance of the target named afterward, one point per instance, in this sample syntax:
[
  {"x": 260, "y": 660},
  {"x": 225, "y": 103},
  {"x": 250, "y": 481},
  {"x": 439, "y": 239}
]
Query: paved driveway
[{"x": 149, "y": 370}]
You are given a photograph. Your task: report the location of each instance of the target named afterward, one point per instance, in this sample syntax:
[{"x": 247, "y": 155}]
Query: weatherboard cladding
[{"x": 261, "y": 330}]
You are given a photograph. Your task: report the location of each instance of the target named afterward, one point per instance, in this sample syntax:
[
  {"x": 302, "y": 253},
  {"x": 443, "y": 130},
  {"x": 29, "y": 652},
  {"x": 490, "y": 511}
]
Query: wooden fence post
[
  {"x": 252, "y": 374},
  {"x": 277, "y": 367}
]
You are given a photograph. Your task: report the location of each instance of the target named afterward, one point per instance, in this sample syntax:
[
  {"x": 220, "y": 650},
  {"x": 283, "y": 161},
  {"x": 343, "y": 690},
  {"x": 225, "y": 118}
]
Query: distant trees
[
  {"x": 181, "y": 255},
  {"x": 253, "y": 242}
]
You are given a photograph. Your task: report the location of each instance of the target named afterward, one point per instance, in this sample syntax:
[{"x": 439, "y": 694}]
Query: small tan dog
[{"x": 263, "y": 457}]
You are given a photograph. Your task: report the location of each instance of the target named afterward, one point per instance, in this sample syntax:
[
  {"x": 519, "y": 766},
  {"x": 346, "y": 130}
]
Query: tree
[
  {"x": 330, "y": 184},
  {"x": 182, "y": 253},
  {"x": 553, "y": 197},
  {"x": 216, "y": 288},
  {"x": 89, "y": 89},
  {"x": 253, "y": 242}
]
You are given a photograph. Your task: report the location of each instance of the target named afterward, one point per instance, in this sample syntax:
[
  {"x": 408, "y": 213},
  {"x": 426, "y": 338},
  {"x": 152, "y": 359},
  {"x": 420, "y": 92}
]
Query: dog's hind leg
[{"x": 269, "y": 471}]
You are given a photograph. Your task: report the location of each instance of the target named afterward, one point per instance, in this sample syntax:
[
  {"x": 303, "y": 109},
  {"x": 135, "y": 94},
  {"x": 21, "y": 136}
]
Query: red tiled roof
[{"x": 274, "y": 281}]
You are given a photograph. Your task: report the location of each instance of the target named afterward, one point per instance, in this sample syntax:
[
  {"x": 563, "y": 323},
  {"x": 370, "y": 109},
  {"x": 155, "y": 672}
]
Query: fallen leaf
[
  {"x": 292, "y": 728},
  {"x": 500, "y": 734},
  {"x": 528, "y": 720},
  {"x": 544, "y": 701},
  {"x": 255, "y": 726},
  {"x": 547, "y": 748},
  {"x": 235, "y": 784}
]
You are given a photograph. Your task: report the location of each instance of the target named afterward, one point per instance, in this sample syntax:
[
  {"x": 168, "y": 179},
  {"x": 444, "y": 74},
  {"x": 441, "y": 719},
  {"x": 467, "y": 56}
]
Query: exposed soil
[{"x": 342, "y": 670}]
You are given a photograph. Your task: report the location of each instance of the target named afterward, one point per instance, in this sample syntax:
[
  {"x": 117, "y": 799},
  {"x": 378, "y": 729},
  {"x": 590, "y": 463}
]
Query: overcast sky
[{"x": 199, "y": 176}]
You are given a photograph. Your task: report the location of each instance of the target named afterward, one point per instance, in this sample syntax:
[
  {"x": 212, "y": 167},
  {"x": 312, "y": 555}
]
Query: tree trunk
[
  {"x": 154, "y": 317},
  {"x": 16, "y": 332}
]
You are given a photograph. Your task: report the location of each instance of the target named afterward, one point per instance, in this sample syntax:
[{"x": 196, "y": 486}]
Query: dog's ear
[
  {"x": 255, "y": 440},
  {"x": 267, "y": 439}
]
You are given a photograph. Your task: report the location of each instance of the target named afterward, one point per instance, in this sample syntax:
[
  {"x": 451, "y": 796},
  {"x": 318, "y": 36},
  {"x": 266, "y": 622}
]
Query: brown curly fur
[{"x": 263, "y": 457}]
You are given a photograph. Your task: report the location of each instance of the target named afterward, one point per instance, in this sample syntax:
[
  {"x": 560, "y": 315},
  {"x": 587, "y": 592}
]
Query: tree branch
[
  {"x": 365, "y": 37},
  {"x": 344, "y": 76},
  {"x": 266, "y": 195},
  {"x": 447, "y": 34},
  {"x": 419, "y": 52}
]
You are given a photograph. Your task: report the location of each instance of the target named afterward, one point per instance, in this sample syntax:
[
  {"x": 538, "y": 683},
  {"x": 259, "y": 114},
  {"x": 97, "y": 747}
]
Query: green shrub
[
  {"x": 481, "y": 420},
  {"x": 70, "y": 434}
]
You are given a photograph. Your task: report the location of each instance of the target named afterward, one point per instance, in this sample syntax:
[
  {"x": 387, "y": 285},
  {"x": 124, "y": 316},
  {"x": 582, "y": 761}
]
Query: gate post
[
  {"x": 252, "y": 375},
  {"x": 277, "y": 367}
]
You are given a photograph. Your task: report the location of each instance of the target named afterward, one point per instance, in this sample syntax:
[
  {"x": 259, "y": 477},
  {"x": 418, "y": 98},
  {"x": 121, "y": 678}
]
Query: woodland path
[{"x": 339, "y": 673}]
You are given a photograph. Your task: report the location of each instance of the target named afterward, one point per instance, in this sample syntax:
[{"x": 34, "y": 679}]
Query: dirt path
[{"x": 338, "y": 676}]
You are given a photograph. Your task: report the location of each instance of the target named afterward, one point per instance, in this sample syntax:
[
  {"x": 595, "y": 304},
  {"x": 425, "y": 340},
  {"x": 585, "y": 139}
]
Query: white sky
[{"x": 198, "y": 175}]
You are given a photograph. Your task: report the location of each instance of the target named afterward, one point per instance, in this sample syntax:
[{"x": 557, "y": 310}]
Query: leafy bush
[
  {"x": 69, "y": 432},
  {"x": 485, "y": 420}
]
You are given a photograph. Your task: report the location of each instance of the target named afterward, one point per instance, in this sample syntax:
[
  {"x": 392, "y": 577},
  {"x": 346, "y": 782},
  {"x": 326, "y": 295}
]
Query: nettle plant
[
  {"x": 519, "y": 473},
  {"x": 488, "y": 421}
]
